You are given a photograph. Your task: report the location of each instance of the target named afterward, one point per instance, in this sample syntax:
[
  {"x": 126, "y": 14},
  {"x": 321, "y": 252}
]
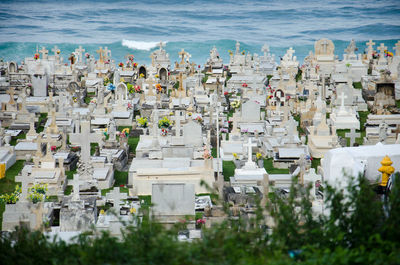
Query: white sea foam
[{"x": 140, "y": 45}]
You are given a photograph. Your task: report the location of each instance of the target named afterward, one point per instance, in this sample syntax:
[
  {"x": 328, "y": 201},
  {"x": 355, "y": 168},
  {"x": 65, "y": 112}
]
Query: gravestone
[
  {"x": 250, "y": 112},
  {"x": 192, "y": 134}
]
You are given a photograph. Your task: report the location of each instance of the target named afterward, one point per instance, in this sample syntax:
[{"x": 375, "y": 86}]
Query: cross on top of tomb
[
  {"x": 25, "y": 180},
  {"x": 342, "y": 97},
  {"x": 44, "y": 52},
  {"x": 107, "y": 53},
  {"x": 100, "y": 51},
  {"x": 370, "y": 44},
  {"x": 265, "y": 49},
  {"x": 117, "y": 197},
  {"x": 249, "y": 146},
  {"x": 75, "y": 182},
  {"x": 11, "y": 93},
  {"x": 80, "y": 50},
  {"x": 352, "y": 135},
  {"x": 56, "y": 50},
  {"x": 183, "y": 55},
  {"x": 84, "y": 138},
  {"x": 178, "y": 118},
  {"x": 382, "y": 48},
  {"x": 325, "y": 44}
]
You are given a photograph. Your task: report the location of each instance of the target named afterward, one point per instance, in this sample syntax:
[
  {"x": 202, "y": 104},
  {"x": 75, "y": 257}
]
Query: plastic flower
[
  {"x": 87, "y": 55},
  {"x": 36, "y": 56},
  {"x": 156, "y": 76},
  {"x": 258, "y": 155},
  {"x": 189, "y": 114},
  {"x": 53, "y": 148},
  {"x": 142, "y": 122},
  {"x": 141, "y": 75},
  {"x": 121, "y": 64},
  {"x": 158, "y": 87},
  {"x": 235, "y": 155},
  {"x": 164, "y": 122},
  {"x": 244, "y": 85},
  {"x": 110, "y": 87}
]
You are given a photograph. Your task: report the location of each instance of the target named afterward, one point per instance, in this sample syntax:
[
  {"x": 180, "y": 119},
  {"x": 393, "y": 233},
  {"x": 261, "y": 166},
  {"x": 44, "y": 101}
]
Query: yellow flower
[
  {"x": 235, "y": 155},
  {"x": 258, "y": 155},
  {"x": 133, "y": 210},
  {"x": 156, "y": 76},
  {"x": 101, "y": 212},
  {"x": 122, "y": 80}
]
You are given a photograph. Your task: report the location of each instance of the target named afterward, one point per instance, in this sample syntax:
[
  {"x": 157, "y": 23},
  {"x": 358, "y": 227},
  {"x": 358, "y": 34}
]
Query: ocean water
[{"x": 135, "y": 27}]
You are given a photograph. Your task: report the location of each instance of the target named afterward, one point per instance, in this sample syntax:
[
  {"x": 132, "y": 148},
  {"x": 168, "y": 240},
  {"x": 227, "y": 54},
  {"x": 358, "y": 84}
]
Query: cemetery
[{"x": 100, "y": 145}]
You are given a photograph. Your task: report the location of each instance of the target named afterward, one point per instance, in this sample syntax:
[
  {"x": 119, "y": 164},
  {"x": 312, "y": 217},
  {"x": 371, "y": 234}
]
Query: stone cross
[
  {"x": 352, "y": 135},
  {"x": 343, "y": 97},
  {"x": 84, "y": 138},
  {"x": 25, "y": 180},
  {"x": 152, "y": 56},
  {"x": 397, "y": 48},
  {"x": 107, "y": 53},
  {"x": 235, "y": 119},
  {"x": 39, "y": 146},
  {"x": 370, "y": 49},
  {"x": 249, "y": 146},
  {"x": 382, "y": 48},
  {"x": 183, "y": 54},
  {"x": 75, "y": 182},
  {"x": 150, "y": 82},
  {"x": 325, "y": 44},
  {"x": 178, "y": 118},
  {"x": 302, "y": 162},
  {"x": 11, "y": 93},
  {"x": 79, "y": 51},
  {"x": 100, "y": 51},
  {"x": 117, "y": 197},
  {"x": 265, "y": 49},
  {"x": 44, "y": 53},
  {"x": 56, "y": 50}
]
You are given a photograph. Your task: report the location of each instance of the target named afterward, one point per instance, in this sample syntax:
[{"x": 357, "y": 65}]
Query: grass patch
[
  {"x": 42, "y": 118},
  {"x": 363, "y": 116},
  {"x": 228, "y": 169},
  {"x": 315, "y": 163},
  {"x": 121, "y": 178},
  {"x": 230, "y": 113},
  {"x": 15, "y": 139},
  {"x": 70, "y": 174},
  {"x": 7, "y": 184},
  {"x": 357, "y": 85},
  {"x": 214, "y": 152},
  {"x": 269, "y": 167},
  {"x": 133, "y": 142},
  {"x": 121, "y": 189},
  {"x": 68, "y": 190},
  {"x": 93, "y": 148},
  {"x": 398, "y": 103},
  {"x": 298, "y": 75}
]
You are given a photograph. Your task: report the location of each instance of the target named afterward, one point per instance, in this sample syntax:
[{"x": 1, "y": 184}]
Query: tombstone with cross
[
  {"x": 352, "y": 135},
  {"x": 116, "y": 196},
  {"x": 44, "y": 53},
  {"x": 100, "y": 51},
  {"x": 178, "y": 118},
  {"x": 79, "y": 52},
  {"x": 11, "y": 105},
  {"x": 84, "y": 139},
  {"x": 265, "y": 50},
  {"x": 382, "y": 59},
  {"x": 250, "y": 163},
  {"x": 75, "y": 182},
  {"x": 370, "y": 49},
  {"x": 397, "y": 48},
  {"x": 25, "y": 180}
]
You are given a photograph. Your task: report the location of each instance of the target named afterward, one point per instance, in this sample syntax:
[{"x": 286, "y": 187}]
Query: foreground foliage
[{"x": 360, "y": 229}]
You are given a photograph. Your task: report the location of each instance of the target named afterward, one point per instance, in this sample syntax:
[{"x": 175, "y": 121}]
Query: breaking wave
[{"x": 140, "y": 45}]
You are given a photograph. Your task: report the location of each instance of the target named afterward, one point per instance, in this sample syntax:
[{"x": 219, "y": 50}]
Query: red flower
[
  {"x": 53, "y": 148},
  {"x": 226, "y": 93},
  {"x": 122, "y": 185}
]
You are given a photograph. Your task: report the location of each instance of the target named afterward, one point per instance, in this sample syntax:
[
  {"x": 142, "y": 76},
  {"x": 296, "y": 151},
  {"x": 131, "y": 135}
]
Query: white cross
[
  {"x": 343, "y": 97},
  {"x": 249, "y": 145},
  {"x": 84, "y": 139},
  {"x": 397, "y": 48},
  {"x": 178, "y": 118},
  {"x": 107, "y": 53},
  {"x": 116, "y": 196},
  {"x": 79, "y": 51},
  {"x": 75, "y": 186},
  {"x": 325, "y": 44},
  {"x": 56, "y": 50},
  {"x": 352, "y": 135},
  {"x": 11, "y": 93},
  {"x": 382, "y": 48},
  {"x": 370, "y": 44},
  {"x": 25, "y": 180},
  {"x": 44, "y": 52},
  {"x": 265, "y": 49}
]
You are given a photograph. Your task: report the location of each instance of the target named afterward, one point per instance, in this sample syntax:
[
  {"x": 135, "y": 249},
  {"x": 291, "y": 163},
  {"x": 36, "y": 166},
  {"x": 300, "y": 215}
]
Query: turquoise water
[{"x": 136, "y": 27}]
